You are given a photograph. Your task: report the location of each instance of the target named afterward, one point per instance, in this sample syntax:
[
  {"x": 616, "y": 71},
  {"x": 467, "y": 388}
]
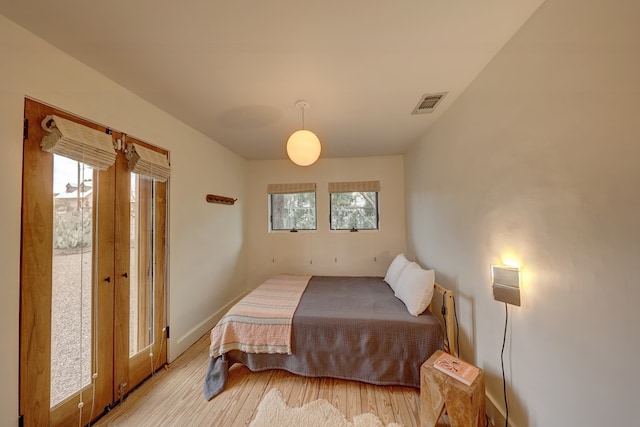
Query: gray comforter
[{"x": 346, "y": 327}]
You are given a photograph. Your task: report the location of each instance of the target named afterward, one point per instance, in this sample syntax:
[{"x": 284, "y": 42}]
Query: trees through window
[
  {"x": 293, "y": 211},
  {"x": 353, "y": 206},
  {"x": 355, "y": 210}
]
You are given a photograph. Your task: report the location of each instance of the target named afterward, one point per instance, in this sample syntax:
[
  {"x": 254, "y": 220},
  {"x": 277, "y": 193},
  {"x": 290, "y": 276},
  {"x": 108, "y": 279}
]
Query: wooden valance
[
  {"x": 349, "y": 187},
  {"x": 300, "y": 187}
]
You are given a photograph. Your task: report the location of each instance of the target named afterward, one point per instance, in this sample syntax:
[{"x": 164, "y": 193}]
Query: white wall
[
  {"x": 325, "y": 252},
  {"x": 207, "y": 259},
  {"x": 538, "y": 163}
]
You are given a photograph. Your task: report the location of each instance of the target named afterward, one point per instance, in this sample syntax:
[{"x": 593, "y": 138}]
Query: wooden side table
[{"x": 465, "y": 403}]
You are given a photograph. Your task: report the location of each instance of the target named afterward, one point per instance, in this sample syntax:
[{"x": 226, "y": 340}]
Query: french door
[{"x": 92, "y": 322}]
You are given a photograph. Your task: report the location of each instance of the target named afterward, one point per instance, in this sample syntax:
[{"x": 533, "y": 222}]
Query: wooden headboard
[{"x": 444, "y": 297}]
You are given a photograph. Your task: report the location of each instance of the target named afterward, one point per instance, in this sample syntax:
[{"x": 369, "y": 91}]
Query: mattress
[{"x": 350, "y": 328}]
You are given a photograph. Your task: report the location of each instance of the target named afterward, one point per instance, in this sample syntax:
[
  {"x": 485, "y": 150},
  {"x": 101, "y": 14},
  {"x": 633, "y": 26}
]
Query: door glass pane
[
  {"x": 141, "y": 264},
  {"x": 71, "y": 308}
]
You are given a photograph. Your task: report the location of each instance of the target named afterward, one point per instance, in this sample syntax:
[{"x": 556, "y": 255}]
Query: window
[
  {"x": 293, "y": 212},
  {"x": 292, "y": 206},
  {"x": 357, "y": 210},
  {"x": 354, "y": 205}
]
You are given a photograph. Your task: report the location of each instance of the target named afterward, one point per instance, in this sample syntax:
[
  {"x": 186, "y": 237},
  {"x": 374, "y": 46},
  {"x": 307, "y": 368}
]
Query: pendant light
[{"x": 303, "y": 146}]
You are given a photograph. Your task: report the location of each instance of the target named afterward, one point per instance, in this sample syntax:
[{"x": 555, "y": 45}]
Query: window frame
[
  {"x": 294, "y": 229},
  {"x": 354, "y": 229}
]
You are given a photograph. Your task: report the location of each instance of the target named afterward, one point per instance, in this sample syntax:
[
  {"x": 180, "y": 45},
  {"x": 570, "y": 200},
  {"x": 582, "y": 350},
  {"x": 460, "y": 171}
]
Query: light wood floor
[{"x": 174, "y": 396}]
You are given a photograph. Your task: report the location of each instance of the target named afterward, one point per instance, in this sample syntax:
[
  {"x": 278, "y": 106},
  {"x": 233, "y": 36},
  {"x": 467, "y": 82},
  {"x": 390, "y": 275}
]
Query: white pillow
[
  {"x": 395, "y": 270},
  {"x": 415, "y": 288}
]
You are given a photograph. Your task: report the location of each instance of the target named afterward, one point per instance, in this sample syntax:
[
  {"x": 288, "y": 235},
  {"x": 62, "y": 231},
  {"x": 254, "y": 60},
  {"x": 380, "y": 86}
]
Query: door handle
[
  {"x": 108, "y": 279},
  {"x": 125, "y": 275}
]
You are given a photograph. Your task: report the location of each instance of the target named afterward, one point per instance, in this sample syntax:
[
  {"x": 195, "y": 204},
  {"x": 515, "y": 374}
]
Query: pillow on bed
[
  {"x": 415, "y": 288},
  {"x": 395, "y": 270}
]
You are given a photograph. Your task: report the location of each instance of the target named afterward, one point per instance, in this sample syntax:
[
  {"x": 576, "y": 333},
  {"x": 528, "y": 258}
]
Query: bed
[{"x": 352, "y": 328}]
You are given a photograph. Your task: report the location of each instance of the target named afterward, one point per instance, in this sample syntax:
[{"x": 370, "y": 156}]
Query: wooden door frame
[
  {"x": 36, "y": 280},
  {"x": 133, "y": 370}
]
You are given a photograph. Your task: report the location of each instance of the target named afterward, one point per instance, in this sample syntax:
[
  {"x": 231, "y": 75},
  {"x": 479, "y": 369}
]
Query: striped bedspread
[{"x": 261, "y": 321}]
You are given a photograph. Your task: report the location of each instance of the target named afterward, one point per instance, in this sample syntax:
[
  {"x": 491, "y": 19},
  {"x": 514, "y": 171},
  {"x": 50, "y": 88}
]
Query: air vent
[{"x": 428, "y": 103}]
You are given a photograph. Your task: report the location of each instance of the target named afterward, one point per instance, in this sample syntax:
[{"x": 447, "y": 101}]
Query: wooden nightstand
[{"x": 465, "y": 404}]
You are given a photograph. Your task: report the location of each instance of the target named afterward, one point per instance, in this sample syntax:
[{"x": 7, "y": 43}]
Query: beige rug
[{"x": 273, "y": 411}]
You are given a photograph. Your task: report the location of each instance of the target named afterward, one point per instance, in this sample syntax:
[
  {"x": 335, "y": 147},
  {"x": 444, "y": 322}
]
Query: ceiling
[{"x": 234, "y": 69}]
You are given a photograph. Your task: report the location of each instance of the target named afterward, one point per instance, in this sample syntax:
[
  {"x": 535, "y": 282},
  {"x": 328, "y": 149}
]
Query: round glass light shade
[{"x": 303, "y": 147}]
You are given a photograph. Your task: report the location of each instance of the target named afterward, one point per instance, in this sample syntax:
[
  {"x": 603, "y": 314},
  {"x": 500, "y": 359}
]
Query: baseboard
[
  {"x": 195, "y": 333},
  {"x": 495, "y": 413}
]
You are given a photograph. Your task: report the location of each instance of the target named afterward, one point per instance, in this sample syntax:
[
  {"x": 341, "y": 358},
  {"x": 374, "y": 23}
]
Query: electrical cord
[
  {"x": 443, "y": 311},
  {"x": 455, "y": 316},
  {"x": 504, "y": 381}
]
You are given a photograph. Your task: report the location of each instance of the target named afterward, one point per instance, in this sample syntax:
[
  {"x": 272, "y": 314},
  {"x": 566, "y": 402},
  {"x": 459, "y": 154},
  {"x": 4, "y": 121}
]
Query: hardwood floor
[{"x": 174, "y": 396}]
